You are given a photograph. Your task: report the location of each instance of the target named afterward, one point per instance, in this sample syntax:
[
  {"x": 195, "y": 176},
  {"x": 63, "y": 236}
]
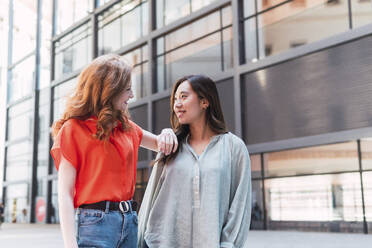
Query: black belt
[{"x": 123, "y": 206}]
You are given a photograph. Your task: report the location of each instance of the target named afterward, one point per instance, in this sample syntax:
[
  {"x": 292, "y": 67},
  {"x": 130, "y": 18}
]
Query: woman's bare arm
[{"x": 66, "y": 187}]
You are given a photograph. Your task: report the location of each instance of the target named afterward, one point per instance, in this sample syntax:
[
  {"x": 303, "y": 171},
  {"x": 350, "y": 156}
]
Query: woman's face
[
  {"x": 121, "y": 102},
  {"x": 187, "y": 105}
]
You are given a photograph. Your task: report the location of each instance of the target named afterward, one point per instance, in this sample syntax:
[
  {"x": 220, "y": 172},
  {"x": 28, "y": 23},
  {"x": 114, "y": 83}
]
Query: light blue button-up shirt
[{"x": 199, "y": 201}]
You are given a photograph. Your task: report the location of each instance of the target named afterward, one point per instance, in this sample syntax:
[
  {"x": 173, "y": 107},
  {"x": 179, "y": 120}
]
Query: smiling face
[
  {"x": 121, "y": 101},
  {"x": 188, "y": 107}
]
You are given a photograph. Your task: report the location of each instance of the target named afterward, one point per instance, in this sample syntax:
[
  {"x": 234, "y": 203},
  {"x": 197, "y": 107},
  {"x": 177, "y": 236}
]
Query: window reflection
[
  {"x": 73, "y": 51},
  {"x": 193, "y": 50},
  {"x": 22, "y": 79},
  {"x": 71, "y": 11},
  {"x": 142, "y": 178},
  {"x": 367, "y": 188},
  {"x": 61, "y": 93},
  {"x": 300, "y": 24},
  {"x": 315, "y": 198},
  {"x": 283, "y": 25},
  {"x": 195, "y": 58},
  {"x": 20, "y": 120},
  {"x": 170, "y": 10},
  {"x": 46, "y": 35},
  {"x": 312, "y": 160},
  {"x": 361, "y": 12},
  {"x": 24, "y": 29},
  {"x": 256, "y": 165},
  {"x": 258, "y": 211},
  {"x": 16, "y": 204},
  {"x": 366, "y": 149},
  {"x": 122, "y": 24},
  {"x": 18, "y": 158},
  {"x": 138, "y": 59},
  {"x": 54, "y": 207}
]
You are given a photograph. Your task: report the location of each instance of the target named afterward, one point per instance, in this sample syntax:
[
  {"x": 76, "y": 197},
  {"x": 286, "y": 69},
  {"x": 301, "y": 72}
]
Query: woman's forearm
[
  {"x": 66, "y": 188},
  {"x": 67, "y": 220}
]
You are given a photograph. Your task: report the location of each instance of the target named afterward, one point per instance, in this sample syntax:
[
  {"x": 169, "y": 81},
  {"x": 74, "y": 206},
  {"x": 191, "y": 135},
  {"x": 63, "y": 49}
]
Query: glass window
[
  {"x": 20, "y": 120},
  {"x": 366, "y": 150},
  {"x": 367, "y": 188},
  {"x": 312, "y": 160},
  {"x": 198, "y": 4},
  {"x": 256, "y": 165},
  {"x": 303, "y": 23},
  {"x": 227, "y": 46},
  {"x": 169, "y": 10},
  {"x": 193, "y": 31},
  {"x": 17, "y": 203},
  {"x": 198, "y": 47},
  {"x": 123, "y": 23},
  {"x": 71, "y": 11},
  {"x": 54, "y": 207},
  {"x": 142, "y": 179},
  {"x": 283, "y": 25},
  {"x": 43, "y": 137},
  {"x": 265, "y": 4},
  {"x": 73, "y": 51},
  {"x": 250, "y": 40},
  {"x": 61, "y": 93},
  {"x": 18, "y": 161},
  {"x": 24, "y": 29},
  {"x": 46, "y": 37},
  {"x": 249, "y": 8},
  {"x": 173, "y": 11},
  {"x": 138, "y": 59},
  {"x": 22, "y": 79},
  {"x": 315, "y": 198},
  {"x": 257, "y": 214},
  {"x": 102, "y": 2},
  {"x": 361, "y": 12},
  {"x": 197, "y": 57}
]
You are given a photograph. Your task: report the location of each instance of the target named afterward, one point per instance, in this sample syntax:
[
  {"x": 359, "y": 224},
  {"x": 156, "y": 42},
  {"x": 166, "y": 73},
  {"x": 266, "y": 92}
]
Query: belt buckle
[{"x": 124, "y": 206}]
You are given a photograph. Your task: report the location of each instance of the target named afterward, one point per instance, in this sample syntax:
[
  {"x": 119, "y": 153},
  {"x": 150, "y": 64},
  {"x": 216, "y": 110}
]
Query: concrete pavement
[{"x": 49, "y": 236}]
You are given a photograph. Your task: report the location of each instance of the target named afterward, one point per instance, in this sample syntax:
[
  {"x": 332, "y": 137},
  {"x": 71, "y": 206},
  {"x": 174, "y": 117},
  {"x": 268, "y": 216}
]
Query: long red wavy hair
[{"x": 99, "y": 84}]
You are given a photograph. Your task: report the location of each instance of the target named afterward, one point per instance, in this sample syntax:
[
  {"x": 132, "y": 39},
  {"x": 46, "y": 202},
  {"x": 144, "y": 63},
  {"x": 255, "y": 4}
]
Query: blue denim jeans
[{"x": 106, "y": 229}]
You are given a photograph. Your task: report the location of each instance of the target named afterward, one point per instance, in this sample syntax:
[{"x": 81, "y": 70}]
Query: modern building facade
[{"x": 294, "y": 77}]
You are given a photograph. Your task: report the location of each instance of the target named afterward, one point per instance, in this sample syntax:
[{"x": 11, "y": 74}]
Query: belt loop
[
  {"x": 107, "y": 207},
  {"x": 130, "y": 205}
]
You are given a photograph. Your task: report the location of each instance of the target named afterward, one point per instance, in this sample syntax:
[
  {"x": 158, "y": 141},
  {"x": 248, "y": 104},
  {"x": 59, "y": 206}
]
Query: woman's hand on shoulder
[{"x": 167, "y": 141}]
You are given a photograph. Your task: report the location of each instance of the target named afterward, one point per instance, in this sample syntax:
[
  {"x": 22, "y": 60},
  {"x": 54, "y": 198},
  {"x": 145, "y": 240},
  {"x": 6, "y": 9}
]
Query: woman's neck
[{"x": 200, "y": 132}]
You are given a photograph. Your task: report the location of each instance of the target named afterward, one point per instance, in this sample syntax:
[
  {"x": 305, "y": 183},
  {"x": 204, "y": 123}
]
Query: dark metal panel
[
  {"x": 324, "y": 92},
  {"x": 226, "y": 93},
  {"x": 161, "y": 114},
  {"x": 140, "y": 117}
]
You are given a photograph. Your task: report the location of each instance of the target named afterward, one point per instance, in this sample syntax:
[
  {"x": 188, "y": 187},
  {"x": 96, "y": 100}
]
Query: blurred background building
[{"x": 294, "y": 77}]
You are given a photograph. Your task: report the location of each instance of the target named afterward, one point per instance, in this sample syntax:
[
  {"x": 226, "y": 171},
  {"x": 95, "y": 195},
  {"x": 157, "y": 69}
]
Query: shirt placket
[
  {"x": 196, "y": 203},
  {"x": 196, "y": 185}
]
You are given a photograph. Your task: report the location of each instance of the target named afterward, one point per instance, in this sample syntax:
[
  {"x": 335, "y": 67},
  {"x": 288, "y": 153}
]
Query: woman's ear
[{"x": 204, "y": 103}]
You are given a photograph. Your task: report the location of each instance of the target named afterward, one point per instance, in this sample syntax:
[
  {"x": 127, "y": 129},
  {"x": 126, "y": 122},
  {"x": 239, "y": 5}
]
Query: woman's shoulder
[
  {"x": 77, "y": 126},
  {"x": 234, "y": 140}
]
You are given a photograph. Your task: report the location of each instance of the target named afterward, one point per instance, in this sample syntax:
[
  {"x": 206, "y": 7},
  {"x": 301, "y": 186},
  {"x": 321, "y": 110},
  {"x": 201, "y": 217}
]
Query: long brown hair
[
  {"x": 99, "y": 84},
  {"x": 205, "y": 88}
]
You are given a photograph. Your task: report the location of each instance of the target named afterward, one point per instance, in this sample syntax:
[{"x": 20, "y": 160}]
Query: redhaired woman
[
  {"x": 199, "y": 196},
  {"x": 95, "y": 151}
]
